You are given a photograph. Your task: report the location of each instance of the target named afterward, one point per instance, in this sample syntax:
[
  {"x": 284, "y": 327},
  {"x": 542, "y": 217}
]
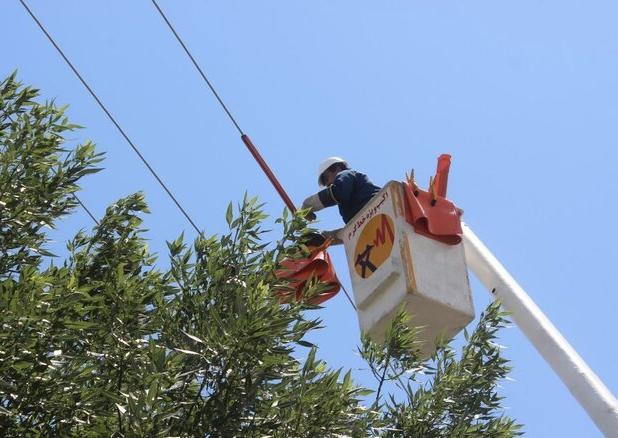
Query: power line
[
  {"x": 244, "y": 137},
  {"x": 85, "y": 208},
  {"x": 348, "y": 296},
  {"x": 197, "y": 66},
  {"x": 109, "y": 115}
]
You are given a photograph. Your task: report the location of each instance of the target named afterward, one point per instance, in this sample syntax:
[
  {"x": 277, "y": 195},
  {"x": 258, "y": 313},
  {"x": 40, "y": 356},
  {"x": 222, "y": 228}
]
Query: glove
[
  {"x": 313, "y": 202},
  {"x": 335, "y": 235}
]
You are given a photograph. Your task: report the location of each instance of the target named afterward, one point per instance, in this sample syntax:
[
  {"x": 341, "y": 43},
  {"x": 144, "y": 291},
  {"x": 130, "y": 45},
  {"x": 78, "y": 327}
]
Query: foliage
[
  {"x": 108, "y": 344},
  {"x": 36, "y": 181},
  {"x": 458, "y": 396}
]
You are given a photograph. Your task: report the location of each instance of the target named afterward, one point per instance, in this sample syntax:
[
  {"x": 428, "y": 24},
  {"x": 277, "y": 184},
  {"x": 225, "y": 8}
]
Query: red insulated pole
[
  {"x": 246, "y": 140},
  {"x": 271, "y": 176}
]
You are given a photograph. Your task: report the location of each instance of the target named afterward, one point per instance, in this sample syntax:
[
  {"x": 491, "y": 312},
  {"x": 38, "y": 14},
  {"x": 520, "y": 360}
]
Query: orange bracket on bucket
[{"x": 429, "y": 212}]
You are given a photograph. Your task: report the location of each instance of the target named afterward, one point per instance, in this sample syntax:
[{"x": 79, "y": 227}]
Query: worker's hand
[
  {"x": 335, "y": 235},
  {"x": 312, "y": 203}
]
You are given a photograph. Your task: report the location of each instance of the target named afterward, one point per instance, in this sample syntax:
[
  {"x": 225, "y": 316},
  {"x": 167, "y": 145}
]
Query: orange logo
[{"x": 374, "y": 245}]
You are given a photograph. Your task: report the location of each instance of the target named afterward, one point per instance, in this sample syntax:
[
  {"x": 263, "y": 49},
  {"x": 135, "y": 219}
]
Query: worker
[{"x": 348, "y": 189}]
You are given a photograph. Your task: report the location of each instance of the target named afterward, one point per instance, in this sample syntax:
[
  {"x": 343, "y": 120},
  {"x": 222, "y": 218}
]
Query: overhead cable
[
  {"x": 112, "y": 119},
  {"x": 229, "y": 114},
  {"x": 245, "y": 138}
]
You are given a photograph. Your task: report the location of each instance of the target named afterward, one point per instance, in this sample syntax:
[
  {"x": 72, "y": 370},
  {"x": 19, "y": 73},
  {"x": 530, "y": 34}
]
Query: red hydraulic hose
[{"x": 271, "y": 176}]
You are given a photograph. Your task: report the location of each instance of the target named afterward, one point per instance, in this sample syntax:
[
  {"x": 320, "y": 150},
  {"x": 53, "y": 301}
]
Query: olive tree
[{"x": 105, "y": 343}]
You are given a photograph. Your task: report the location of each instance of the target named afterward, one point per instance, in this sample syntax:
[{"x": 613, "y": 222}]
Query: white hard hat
[{"x": 326, "y": 164}]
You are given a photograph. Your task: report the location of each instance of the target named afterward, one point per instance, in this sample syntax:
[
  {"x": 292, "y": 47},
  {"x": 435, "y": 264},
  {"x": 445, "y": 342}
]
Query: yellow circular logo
[{"x": 374, "y": 245}]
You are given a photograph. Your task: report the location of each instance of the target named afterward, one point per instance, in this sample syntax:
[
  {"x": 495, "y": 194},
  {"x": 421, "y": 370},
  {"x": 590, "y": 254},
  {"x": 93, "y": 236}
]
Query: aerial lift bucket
[{"x": 404, "y": 248}]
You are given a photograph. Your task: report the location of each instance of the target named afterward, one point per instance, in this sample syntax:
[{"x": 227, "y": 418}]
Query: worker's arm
[
  {"x": 335, "y": 235},
  {"x": 314, "y": 203},
  {"x": 339, "y": 191},
  {"x": 320, "y": 200}
]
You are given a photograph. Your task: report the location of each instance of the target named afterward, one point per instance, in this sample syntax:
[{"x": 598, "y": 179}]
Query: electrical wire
[
  {"x": 126, "y": 137},
  {"x": 348, "y": 296},
  {"x": 244, "y": 137},
  {"x": 112, "y": 119},
  {"x": 197, "y": 66},
  {"x": 85, "y": 208}
]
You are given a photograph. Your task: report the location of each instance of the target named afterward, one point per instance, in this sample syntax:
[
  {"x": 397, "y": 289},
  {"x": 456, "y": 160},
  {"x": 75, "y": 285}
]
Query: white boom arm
[{"x": 581, "y": 381}]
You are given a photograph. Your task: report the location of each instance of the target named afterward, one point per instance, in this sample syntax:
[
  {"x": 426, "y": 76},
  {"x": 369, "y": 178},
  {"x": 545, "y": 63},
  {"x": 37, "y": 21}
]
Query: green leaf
[
  {"x": 152, "y": 392},
  {"x": 305, "y": 344},
  {"x": 229, "y": 214},
  {"x": 195, "y": 338},
  {"x": 187, "y": 351}
]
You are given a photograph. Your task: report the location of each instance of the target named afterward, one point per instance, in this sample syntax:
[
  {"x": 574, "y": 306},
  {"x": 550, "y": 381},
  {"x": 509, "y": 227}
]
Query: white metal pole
[{"x": 581, "y": 381}]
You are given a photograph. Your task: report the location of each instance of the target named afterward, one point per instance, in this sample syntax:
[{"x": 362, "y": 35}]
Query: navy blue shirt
[{"x": 351, "y": 190}]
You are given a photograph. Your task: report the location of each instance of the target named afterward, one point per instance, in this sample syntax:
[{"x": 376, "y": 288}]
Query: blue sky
[{"x": 522, "y": 94}]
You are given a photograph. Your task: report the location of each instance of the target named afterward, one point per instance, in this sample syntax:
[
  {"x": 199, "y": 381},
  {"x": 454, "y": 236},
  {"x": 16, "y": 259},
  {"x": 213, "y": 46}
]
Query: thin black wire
[
  {"x": 212, "y": 88},
  {"x": 79, "y": 201},
  {"x": 197, "y": 66},
  {"x": 96, "y": 98},
  {"x": 348, "y": 296}
]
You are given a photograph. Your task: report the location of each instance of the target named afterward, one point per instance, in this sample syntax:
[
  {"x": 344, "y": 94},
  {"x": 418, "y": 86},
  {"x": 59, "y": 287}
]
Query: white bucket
[{"x": 391, "y": 265}]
